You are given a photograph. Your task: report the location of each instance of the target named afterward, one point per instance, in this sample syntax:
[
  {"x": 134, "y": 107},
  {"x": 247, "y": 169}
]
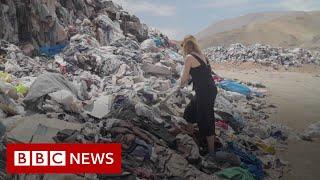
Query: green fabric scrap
[
  {"x": 235, "y": 173},
  {"x": 21, "y": 89}
]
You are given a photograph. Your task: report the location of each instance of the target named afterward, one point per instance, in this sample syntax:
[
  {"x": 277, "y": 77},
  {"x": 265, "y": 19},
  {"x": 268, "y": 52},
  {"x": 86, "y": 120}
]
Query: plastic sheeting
[
  {"x": 48, "y": 83},
  {"x": 149, "y": 45}
]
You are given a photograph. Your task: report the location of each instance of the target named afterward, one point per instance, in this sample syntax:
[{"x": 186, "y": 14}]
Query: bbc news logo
[
  {"x": 40, "y": 158},
  {"x": 64, "y": 158},
  {"x": 58, "y": 158}
]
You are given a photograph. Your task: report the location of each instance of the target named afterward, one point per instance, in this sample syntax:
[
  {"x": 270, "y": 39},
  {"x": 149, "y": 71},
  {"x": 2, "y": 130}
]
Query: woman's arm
[{"x": 186, "y": 71}]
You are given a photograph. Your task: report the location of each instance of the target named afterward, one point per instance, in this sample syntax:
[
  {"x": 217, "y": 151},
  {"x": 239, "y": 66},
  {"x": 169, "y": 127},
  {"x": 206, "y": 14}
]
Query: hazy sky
[{"x": 176, "y": 18}]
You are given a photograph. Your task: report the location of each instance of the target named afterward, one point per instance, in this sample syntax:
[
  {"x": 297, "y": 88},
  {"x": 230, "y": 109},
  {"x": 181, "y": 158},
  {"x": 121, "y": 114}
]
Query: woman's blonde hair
[{"x": 189, "y": 45}]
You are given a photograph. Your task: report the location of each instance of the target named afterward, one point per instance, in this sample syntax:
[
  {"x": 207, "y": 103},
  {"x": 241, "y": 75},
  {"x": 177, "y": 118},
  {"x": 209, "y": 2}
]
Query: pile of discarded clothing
[
  {"x": 263, "y": 54},
  {"x": 104, "y": 86},
  {"x": 45, "y": 27}
]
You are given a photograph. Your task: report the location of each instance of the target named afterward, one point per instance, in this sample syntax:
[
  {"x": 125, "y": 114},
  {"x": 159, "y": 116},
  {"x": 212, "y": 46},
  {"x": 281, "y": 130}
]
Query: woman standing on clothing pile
[{"x": 197, "y": 66}]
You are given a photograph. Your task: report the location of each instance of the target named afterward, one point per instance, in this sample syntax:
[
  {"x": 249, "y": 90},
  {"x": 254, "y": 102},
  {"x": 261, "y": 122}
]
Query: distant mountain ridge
[{"x": 285, "y": 29}]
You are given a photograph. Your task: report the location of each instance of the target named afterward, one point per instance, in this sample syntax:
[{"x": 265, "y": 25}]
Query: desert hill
[{"x": 285, "y": 29}]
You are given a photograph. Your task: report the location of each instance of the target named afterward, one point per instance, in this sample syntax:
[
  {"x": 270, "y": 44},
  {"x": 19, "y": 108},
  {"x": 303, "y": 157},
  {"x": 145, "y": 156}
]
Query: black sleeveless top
[{"x": 202, "y": 76}]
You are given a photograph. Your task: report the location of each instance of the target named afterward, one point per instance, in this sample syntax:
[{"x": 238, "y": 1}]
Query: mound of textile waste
[{"x": 86, "y": 71}]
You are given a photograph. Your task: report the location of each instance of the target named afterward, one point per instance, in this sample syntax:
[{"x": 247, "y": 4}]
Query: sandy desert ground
[{"x": 295, "y": 92}]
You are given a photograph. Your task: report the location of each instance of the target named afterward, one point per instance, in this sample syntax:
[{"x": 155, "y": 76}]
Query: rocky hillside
[{"x": 285, "y": 29}]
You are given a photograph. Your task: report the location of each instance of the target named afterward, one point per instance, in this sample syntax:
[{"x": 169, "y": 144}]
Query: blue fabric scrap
[
  {"x": 248, "y": 161},
  {"x": 233, "y": 86},
  {"x": 52, "y": 50}
]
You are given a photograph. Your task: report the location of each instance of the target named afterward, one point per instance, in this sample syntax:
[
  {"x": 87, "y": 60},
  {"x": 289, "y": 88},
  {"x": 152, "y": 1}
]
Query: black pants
[{"x": 200, "y": 110}]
